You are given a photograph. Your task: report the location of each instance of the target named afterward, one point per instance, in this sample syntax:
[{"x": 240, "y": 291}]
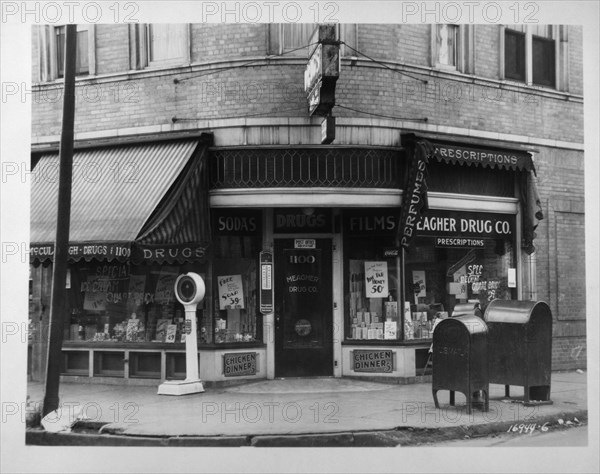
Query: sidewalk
[{"x": 303, "y": 412}]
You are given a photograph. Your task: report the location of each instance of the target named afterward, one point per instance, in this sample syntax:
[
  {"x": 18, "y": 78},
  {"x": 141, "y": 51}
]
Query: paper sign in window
[
  {"x": 231, "y": 292},
  {"x": 376, "y": 279}
]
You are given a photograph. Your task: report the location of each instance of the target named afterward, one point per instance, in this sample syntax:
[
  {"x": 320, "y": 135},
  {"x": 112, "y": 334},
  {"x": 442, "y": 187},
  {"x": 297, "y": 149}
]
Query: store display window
[
  {"x": 235, "y": 289},
  {"x": 371, "y": 276},
  {"x": 120, "y": 302},
  {"x": 460, "y": 261}
]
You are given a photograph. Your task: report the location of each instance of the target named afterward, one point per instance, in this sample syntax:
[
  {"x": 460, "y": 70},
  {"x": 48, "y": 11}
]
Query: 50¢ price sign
[{"x": 376, "y": 279}]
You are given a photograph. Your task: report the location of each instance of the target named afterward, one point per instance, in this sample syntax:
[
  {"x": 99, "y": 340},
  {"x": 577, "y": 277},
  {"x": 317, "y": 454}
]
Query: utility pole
[{"x": 63, "y": 219}]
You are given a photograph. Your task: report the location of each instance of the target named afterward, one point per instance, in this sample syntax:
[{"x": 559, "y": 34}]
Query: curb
[{"x": 400, "y": 436}]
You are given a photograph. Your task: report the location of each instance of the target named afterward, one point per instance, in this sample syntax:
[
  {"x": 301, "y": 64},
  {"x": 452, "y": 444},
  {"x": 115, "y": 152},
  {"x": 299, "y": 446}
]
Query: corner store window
[{"x": 438, "y": 279}]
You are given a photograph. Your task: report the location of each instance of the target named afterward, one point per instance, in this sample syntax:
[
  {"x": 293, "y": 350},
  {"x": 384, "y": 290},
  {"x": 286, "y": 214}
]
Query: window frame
[
  {"x": 48, "y": 51},
  {"x": 558, "y": 36},
  {"x": 463, "y": 49},
  {"x": 140, "y": 54},
  {"x": 276, "y": 44}
]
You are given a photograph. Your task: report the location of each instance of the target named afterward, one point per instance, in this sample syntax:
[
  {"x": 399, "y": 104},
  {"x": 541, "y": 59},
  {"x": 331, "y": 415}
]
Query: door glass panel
[{"x": 302, "y": 324}]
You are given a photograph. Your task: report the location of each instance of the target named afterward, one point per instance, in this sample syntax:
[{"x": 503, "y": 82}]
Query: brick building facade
[{"x": 244, "y": 84}]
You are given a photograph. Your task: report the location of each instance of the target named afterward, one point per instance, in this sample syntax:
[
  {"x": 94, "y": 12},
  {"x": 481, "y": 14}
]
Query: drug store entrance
[{"x": 303, "y": 308}]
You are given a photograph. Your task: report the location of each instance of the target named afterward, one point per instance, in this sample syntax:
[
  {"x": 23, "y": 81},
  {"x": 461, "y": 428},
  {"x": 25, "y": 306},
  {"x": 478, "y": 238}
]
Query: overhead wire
[
  {"x": 381, "y": 115},
  {"x": 249, "y": 63},
  {"x": 254, "y": 61}
]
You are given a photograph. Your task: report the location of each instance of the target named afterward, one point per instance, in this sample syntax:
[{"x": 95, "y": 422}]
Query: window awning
[
  {"x": 422, "y": 150},
  {"x": 116, "y": 191},
  {"x": 473, "y": 154}
]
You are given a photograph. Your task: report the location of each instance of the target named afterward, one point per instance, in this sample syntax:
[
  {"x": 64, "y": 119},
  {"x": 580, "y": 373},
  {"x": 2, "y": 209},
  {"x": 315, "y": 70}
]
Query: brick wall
[
  {"x": 153, "y": 98},
  {"x": 112, "y": 50},
  {"x": 560, "y": 245}
]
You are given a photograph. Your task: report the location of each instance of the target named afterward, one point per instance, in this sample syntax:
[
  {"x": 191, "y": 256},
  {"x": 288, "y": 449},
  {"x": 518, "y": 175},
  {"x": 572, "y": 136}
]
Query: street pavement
[{"x": 301, "y": 412}]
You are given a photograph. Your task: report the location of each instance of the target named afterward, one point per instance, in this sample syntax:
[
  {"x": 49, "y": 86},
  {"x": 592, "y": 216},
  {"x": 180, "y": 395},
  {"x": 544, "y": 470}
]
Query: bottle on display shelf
[
  {"x": 73, "y": 326},
  {"x": 80, "y": 329}
]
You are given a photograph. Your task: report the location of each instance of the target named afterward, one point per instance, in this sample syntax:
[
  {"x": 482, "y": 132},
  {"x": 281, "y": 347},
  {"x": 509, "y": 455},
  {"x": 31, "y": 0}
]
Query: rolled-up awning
[{"x": 116, "y": 191}]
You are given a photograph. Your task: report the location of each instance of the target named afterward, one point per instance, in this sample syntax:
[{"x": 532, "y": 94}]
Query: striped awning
[{"x": 116, "y": 190}]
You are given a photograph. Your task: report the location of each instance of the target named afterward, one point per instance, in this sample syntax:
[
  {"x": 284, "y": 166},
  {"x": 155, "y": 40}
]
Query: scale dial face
[
  {"x": 186, "y": 288},
  {"x": 189, "y": 288}
]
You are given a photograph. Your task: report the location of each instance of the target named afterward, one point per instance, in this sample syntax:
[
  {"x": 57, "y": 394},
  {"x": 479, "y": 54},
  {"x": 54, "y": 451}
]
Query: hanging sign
[{"x": 322, "y": 72}]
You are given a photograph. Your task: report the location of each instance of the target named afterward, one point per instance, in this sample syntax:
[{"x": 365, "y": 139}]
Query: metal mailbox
[
  {"x": 460, "y": 359},
  {"x": 520, "y": 346}
]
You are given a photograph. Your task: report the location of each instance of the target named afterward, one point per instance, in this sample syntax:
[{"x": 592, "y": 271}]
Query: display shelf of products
[{"x": 103, "y": 328}]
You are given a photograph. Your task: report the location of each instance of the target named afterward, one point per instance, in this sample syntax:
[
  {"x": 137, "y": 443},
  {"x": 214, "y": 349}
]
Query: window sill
[
  {"x": 387, "y": 342},
  {"x": 175, "y": 346}
]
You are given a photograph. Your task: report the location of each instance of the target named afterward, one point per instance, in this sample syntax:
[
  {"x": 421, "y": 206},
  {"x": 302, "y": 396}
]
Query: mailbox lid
[
  {"x": 516, "y": 311},
  {"x": 464, "y": 309},
  {"x": 472, "y": 325}
]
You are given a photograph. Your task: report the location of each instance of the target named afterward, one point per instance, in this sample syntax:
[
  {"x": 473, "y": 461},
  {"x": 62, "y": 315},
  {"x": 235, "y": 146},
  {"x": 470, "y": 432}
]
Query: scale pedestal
[
  {"x": 189, "y": 289},
  {"x": 180, "y": 387}
]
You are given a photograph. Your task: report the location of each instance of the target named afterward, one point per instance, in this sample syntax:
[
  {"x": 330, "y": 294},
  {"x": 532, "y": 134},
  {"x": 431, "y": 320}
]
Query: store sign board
[
  {"x": 476, "y": 155},
  {"x": 374, "y": 361},
  {"x": 370, "y": 222},
  {"x": 453, "y": 153},
  {"x": 135, "y": 252},
  {"x": 466, "y": 229},
  {"x": 166, "y": 253},
  {"x": 236, "y": 364},
  {"x": 88, "y": 251},
  {"x": 237, "y": 222},
  {"x": 291, "y": 220}
]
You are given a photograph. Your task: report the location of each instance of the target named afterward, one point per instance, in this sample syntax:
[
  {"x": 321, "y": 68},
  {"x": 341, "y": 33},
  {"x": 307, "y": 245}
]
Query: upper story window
[
  {"x": 287, "y": 37},
  {"x": 51, "y": 43},
  {"x": 452, "y": 47},
  {"x": 532, "y": 54},
  {"x": 162, "y": 44},
  {"x": 82, "y": 63}
]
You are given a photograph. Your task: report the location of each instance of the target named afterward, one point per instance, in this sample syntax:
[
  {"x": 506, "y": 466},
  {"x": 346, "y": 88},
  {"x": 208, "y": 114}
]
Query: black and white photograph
[{"x": 299, "y": 236}]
